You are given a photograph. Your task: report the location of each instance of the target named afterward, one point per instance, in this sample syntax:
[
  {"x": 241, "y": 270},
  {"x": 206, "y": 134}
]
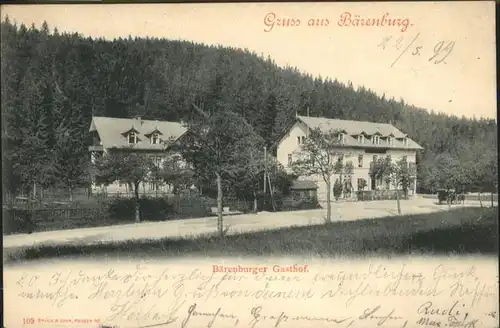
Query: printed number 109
[{"x": 28, "y": 321}]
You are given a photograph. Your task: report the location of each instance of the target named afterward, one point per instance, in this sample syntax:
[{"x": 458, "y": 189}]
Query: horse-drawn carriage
[{"x": 450, "y": 196}]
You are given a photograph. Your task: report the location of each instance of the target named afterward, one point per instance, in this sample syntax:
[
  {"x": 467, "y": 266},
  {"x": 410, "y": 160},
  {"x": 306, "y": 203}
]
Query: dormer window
[
  {"x": 341, "y": 137},
  {"x": 376, "y": 140},
  {"x": 405, "y": 141},
  {"x": 132, "y": 138},
  {"x": 361, "y": 139},
  {"x": 155, "y": 139},
  {"x": 154, "y": 136},
  {"x": 390, "y": 140}
]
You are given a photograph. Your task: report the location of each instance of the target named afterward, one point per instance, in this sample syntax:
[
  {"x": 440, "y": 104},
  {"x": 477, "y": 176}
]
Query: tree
[
  {"x": 71, "y": 157},
  {"x": 447, "y": 173},
  {"x": 175, "y": 172},
  {"x": 397, "y": 174},
  {"x": 485, "y": 174},
  {"x": 362, "y": 184},
  {"x": 250, "y": 182},
  {"x": 337, "y": 189},
  {"x": 128, "y": 167},
  {"x": 71, "y": 165},
  {"x": 348, "y": 171},
  {"x": 217, "y": 145},
  {"x": 319, "y": 155}
]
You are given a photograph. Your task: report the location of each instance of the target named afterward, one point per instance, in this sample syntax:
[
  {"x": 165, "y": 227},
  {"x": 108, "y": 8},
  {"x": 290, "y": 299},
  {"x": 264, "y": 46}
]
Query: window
[
  {"x": 349, "y": 165},
  {"x": 405, "y": 158},
  {"x": 361, "y": 138},
  {"x": 132, "y": 138},
  {"x": 390, "y": 141},
  {"x": 375, "y": 140},
  {"x": 158, "y": 160},
  {"x": 413, "y": 168},
  {"x": 361, "y": 184},
  {"x": 290, "y": 160},
  {"x": 303, "y": 139},
  {"x": 155, "y": 139},
  {"x": 341, "y": 137},
  {"x": 360, "y": 161},
  {"x": 405, "y": 141},
  {"x": 298, "y": 140}
]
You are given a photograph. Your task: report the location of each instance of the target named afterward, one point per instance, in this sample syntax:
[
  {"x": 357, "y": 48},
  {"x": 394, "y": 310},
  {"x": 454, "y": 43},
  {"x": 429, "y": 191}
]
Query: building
[
  {"x": 362, "y": 143},
  {"x": 304, "y": 189},
  {"x": 145, "y": 136}
]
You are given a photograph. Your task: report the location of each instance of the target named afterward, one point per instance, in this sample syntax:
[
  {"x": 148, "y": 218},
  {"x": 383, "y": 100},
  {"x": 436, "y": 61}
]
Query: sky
[{"x": 438, "y": 56}]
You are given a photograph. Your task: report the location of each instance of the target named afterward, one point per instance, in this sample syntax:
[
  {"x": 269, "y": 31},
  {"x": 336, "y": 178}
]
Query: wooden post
[
  {"x": 271, "y": 193},
  {"x": 265, "y": 169}
]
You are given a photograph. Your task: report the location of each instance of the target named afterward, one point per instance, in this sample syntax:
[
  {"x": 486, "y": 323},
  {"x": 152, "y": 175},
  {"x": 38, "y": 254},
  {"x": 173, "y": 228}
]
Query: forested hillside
[{"x": 53, "y": 83}]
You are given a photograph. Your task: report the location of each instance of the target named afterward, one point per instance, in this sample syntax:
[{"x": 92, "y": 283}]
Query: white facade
[
  {"x": 121, "y": 189},
  {"x": 142, "y": 136},
  {"x": 360, "y": 156}
]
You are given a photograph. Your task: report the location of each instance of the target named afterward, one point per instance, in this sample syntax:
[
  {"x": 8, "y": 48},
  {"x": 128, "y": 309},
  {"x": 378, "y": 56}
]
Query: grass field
[{"x": 459, "y": 231}]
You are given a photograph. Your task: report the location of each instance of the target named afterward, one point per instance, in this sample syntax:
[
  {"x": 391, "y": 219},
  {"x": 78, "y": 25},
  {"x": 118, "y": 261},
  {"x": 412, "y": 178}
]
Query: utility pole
[{"x": 265, "y": 169}]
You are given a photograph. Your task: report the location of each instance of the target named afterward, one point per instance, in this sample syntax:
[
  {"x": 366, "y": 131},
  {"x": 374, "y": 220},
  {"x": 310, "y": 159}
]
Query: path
[{"x": 342, "y": 211}]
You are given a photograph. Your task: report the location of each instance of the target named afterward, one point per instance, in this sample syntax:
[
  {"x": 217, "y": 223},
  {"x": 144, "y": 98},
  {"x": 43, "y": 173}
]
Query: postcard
[{"x": 250, "y": 165}]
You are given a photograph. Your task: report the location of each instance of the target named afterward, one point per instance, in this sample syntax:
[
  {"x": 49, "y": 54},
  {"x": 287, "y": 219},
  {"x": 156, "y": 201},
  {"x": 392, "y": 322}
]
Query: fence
[
  {"x": 30, "y": 219},
  {"x": 27, "y": 217},
  {"x": 369, "y": 195}
]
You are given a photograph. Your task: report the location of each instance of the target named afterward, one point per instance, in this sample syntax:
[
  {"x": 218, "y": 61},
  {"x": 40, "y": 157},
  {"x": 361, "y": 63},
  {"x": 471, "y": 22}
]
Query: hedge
[{"x": 366, "y": 195}]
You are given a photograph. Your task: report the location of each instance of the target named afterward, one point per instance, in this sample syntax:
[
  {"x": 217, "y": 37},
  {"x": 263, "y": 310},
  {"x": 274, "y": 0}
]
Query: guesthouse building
[
  {"x": 132, "y": 135},
  {"x": 361, "y": 142}
]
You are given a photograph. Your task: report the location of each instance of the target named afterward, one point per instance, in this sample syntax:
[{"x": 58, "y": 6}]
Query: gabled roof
[
  {"x": 111, "y": 131},
  {"x": 355, "y": 128},
  {"x": 352, "y": 127}
]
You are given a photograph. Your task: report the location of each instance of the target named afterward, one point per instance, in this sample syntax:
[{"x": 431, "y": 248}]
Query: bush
[
  {"x": 16, "y": 220},
  {"x": 191, "y": 207},
  {"x": 296, "y": 204},
  {"x": 337, "y": 189},
  {"x": 308, "y": 204},
  {"x": 158, "y": 209}
]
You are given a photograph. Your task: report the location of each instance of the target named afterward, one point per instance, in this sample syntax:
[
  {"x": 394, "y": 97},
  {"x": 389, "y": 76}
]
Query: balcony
[{"x": 96, "y": 148}]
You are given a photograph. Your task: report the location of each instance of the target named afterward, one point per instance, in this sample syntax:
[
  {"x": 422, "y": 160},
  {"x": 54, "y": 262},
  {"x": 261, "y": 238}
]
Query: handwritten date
[{"x": 439, "y": 52}]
